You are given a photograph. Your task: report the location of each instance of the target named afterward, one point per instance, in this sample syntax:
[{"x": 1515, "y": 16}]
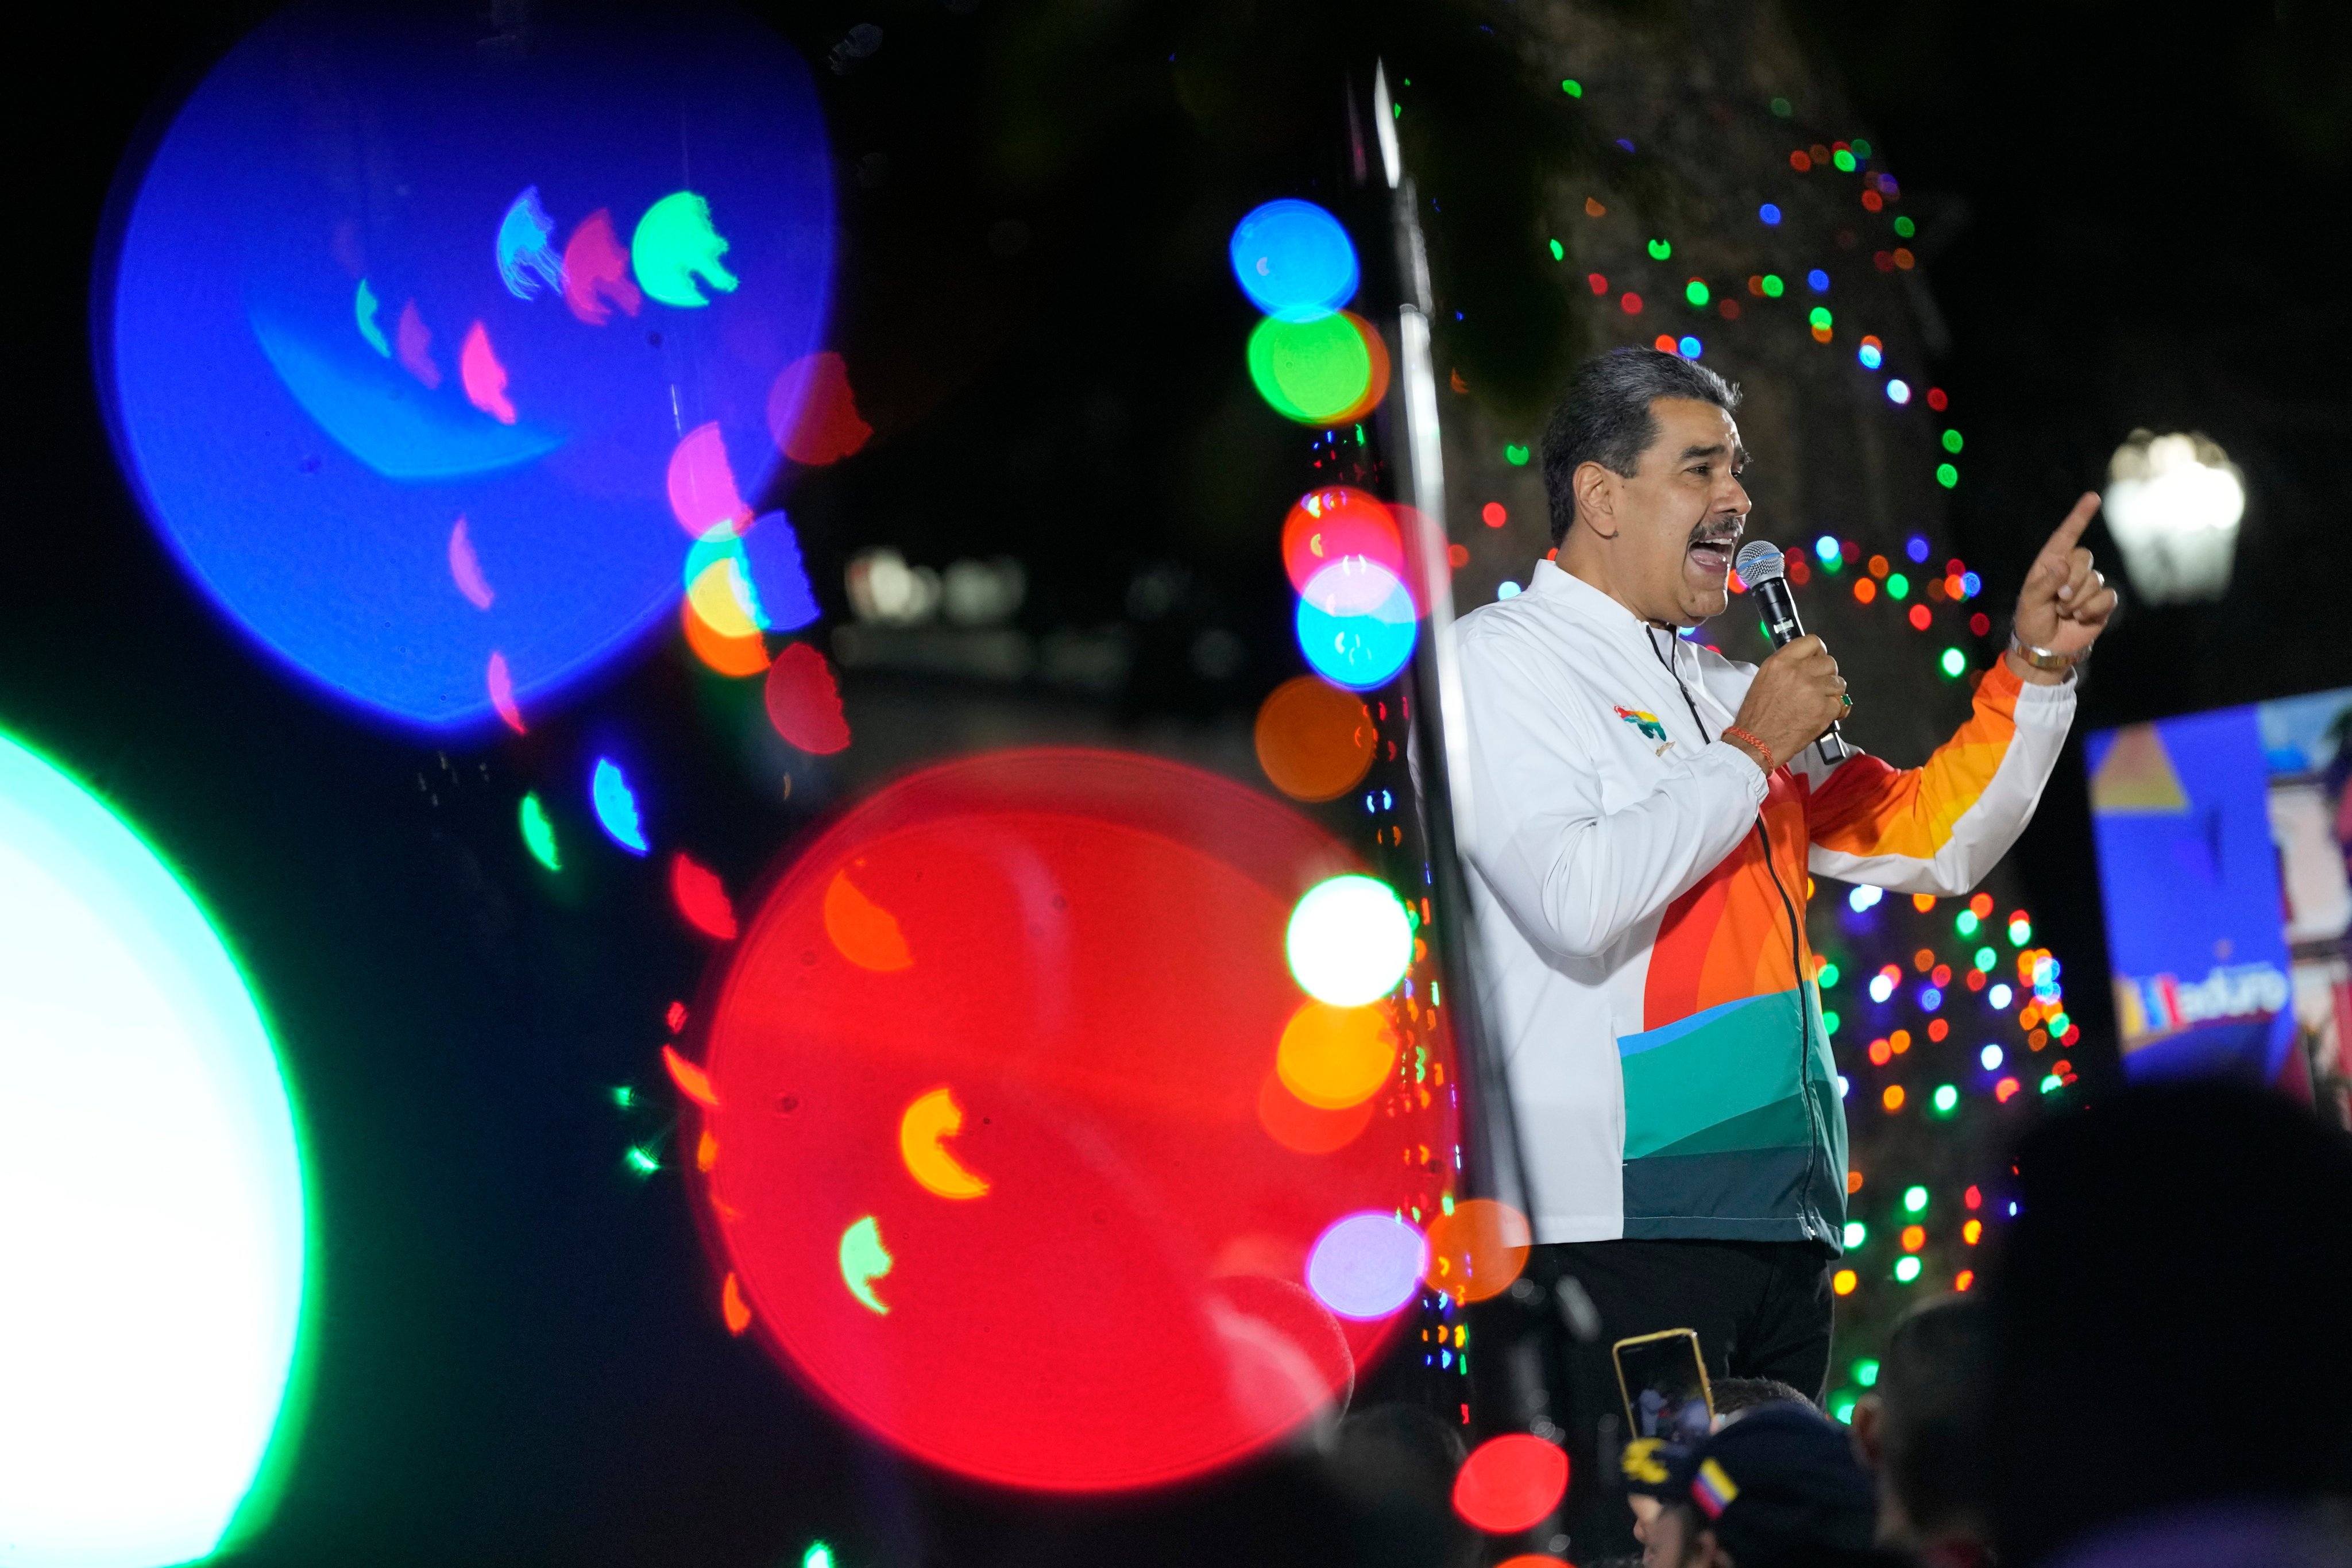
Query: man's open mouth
[{"x": 1712, "y": 550}]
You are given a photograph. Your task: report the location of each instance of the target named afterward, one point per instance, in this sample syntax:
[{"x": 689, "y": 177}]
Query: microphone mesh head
[{"x": 1759, "y": 561}]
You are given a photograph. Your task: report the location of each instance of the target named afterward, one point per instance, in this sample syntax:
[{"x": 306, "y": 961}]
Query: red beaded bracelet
[{"x": 1734, "y": 732}]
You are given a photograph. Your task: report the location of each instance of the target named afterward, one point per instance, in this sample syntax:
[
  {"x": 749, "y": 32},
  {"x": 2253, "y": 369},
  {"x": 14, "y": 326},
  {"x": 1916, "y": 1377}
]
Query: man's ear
[
  {"x": 1595, "y": 490},
  {"x": 1869, "y": 1433}
]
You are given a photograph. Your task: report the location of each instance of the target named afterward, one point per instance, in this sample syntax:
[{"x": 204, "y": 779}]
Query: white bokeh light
[{"x": 2173, "y": 503}]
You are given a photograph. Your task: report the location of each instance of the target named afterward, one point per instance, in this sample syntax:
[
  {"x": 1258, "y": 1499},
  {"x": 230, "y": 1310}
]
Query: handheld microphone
[{"x": 1762, "y": 567}]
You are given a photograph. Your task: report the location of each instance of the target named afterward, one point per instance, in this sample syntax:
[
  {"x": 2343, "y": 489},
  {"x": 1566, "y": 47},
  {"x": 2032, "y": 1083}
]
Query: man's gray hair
[{"x": 1604, "y": 417}]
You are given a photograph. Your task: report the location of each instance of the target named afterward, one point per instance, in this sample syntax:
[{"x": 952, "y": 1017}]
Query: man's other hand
[
  {"x": 1796, "y": 694},
  {"x": 2065, "y": 605}
]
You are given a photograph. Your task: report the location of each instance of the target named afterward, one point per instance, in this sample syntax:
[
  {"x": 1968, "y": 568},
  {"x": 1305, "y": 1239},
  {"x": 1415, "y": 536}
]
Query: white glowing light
[
  {"x": 1349, "y": 942},
  {"x": 2173, "y": 503},
  {"x": 151, "y": 1200}
]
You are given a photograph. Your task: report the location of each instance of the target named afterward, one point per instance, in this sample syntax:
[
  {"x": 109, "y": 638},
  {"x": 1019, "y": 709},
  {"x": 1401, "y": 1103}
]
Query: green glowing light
[
  {"x": 1914, "y": 1200},
  {"x": 1866, "y": 1372},
  {"x": 1951, "y": 441},
  {"x": 1558, "y": 251},
  {"x": 1986, "y": 958},
  {"x": 1570, "y": 86},
  {"x": 1965, "y": 922},
  {"x": 1349, "y": 942},
  {"x": 1897, "y": 585},
  {"x": 1660, "y": 250},
  {"x": 1947, "y": 1099},
  {"x": 1695, "y": 291},
  {"x": 155, "y": 1214},
  {"x": 1828, "y": 976},
  {"x": 623, "y": 1095},
  {"x": 1781, "y": 107},
  {"x": 1841, "y": 1407},
  {"x": 1907, "y": 1269},
  {"x": 539, "y": 834},
  {"x": 818, "y": 1555},
  {"x": 1947, "y": 475},
  {"x": 641, "y": 1161},
  {"x": 1829, "y": 1022},
  {"x": 2021, "y": 931},
  {"x": 1773, "y": 287},
  {"x": 2059, "y": 1023},
  {"x": 2052, "y": 1084},
  {"x": 1312, "y": 372},
  {"x": 1861, "y": 148},
  {"x": 1515, "y": 455},
  {"x": 1955, "y": 663},
  {"x": 1906, "y": 227},
  {"x": 1844, "y": 160},
  {"x": 864, "y": 1259},
  {"x": 1856, "y": 1233},
  {"x": 1820, "y": 317},
  {"x": 673, "y": 244}
]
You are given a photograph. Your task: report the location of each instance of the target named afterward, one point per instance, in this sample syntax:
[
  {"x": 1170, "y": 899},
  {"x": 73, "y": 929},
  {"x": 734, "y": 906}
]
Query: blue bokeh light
[
  {"x": 1917, "y": 547},
  {"x": 315, "y": 379},
  {"x": 1769, "y": 214},
  {"x": 1898, "y": 390},
  {"x": 1356, "y": 623},
  {"x": 617, "y": 806},
  {"x": 1826, "y": 547},
  {"x": 1870, "y": 356},
  {"x": 1818, "y": 281},
  {"x": 1970, "y": 585},
  {"x": 1691, "y": 348},
  {"x": 1367, "y": 1265},
  {"x": 1294, "y": 260}
]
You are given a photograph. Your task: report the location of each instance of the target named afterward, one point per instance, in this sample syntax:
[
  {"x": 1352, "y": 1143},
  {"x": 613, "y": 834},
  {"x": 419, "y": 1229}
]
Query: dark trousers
[{"x": 1762, "y": 1309}]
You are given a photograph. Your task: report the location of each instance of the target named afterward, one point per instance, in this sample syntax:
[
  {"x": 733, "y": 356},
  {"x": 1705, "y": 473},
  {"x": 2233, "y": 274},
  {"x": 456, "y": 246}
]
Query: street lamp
[{"x": 2173, "y": 503}]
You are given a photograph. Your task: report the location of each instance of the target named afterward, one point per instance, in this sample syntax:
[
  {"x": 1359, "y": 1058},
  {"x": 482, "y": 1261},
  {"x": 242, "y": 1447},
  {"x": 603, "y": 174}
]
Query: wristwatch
[{"x": 2044, "y": 657}]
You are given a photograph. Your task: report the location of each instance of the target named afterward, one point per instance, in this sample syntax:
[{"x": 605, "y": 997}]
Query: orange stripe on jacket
[
  {"x": 1868, "y": 808},
  {"x": 1727, "y": 938}
]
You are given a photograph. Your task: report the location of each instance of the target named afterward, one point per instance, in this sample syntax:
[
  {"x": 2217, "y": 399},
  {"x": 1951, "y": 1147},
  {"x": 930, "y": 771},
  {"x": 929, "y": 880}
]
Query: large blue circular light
[
  {"x": 1356, "y": 623},
  {"x": 404, "y": 327},
  {"x": 1294, "y": 260}
]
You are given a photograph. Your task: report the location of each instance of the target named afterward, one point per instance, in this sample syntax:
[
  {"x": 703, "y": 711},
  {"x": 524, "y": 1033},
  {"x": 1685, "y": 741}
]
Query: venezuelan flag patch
[{"x": 1713, "y": 1489}]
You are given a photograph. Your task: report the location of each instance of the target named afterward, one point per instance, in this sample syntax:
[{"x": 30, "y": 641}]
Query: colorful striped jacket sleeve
[{"x": 1939, "y": 827}]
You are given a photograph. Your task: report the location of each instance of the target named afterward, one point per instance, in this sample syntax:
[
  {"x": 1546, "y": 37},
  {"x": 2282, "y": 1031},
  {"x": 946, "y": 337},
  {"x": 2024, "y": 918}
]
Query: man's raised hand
[{"x": 2065, "y": 605}]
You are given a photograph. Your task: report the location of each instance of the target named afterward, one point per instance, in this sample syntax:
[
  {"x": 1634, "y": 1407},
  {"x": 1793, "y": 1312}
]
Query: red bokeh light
[
  {"x": 1093, "y": 965},
  {"x": 1509, "y": 1483},
  {"x": 802, "y": 702},
  {"x": 813, "y": 414},
  {"x": 1329, "y": 524}
]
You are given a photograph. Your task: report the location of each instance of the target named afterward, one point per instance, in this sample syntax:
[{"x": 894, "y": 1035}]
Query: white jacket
[{"x": 1643, "y": 963}]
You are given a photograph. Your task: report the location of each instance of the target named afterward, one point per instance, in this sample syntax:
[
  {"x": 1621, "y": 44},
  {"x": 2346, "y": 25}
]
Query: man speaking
[{"x": 1644, "y": 814}]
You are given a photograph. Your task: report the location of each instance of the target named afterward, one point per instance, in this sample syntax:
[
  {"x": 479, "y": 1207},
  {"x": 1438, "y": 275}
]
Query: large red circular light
[{"x": 988, "y": 1159}]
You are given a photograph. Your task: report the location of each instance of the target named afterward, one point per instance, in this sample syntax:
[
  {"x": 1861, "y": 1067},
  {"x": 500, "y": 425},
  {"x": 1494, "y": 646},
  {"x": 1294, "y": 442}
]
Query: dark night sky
[{"x": 2147, "y": 202}]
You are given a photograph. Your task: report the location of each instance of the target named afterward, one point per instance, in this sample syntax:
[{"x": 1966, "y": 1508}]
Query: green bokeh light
[
  {"x": 1828, "y": 976},
  {"x": 1861, "y": 148},
  {"x": 1866, "y": 1372},
  {"x": 1781, "y": 107},
  {"x": 1844, "y": 160},
  {"x": 1695, "y": 291},
  {"x": 1312, "y": 372},
  {"x": 1856, "y": 1233},
  {"x": 1558, "y": 251},
  {"x": 1914, "y": 1200},
  {"x": 1955, "y": 663},
  {"x": 1965, "y": 922},
  {"x": 1907, "y": 1269},
  {"x": 1986, "y": 958},
  {"x": 1947, "y": 475},
  {"x": 1660, "y": 250},
  {"x": 539, "y": 834},
  {"x": 1773, "y": 287},
  {"x": 1947, "y": 1099},
  {"x": 2020, "y": 932},
  {"x": 1573, "y": 88},
  {"x": 1898, "y": 586},
  {"x": 1904, "y": 227},
  {"x": 1820, "y": 317},
  {"x": 1952, "y": 441}
]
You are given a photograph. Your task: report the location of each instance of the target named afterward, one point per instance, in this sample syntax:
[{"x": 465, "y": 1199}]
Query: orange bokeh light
[
  {"x": 734, "y": 655},
  {"x": 1314, "y": 741},
  {"x": 1333, "y": 1057},
  {"x": 1301, "y": 1128},
  {"x": 1477, "y": 1250},
  {"x": 1843, "y": 1281},
  {"x": 1893, "y": 1098}
]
